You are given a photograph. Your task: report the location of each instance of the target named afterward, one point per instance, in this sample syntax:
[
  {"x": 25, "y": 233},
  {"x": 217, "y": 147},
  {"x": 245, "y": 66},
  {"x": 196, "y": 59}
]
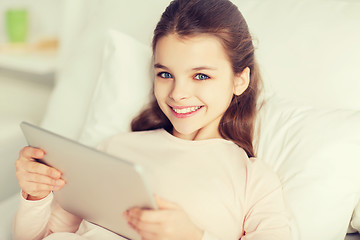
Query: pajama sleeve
[
  {"x": 37, "y": 219},
  {"x": 267, "y": 216}
]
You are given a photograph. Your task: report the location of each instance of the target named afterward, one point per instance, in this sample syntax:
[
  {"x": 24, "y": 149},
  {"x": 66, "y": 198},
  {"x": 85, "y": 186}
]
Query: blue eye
[
  {"x": 165, "y": 75},
  {"x": 201, "y": 76}
]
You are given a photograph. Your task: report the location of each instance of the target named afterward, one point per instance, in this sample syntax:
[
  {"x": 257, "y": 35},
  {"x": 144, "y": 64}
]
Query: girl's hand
[
  {"x": 36, "y": 179},
  {"x": 170, "y": 222}
]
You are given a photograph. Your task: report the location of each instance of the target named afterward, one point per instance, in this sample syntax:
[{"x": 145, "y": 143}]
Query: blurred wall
[{"x": 24, "y": 95}]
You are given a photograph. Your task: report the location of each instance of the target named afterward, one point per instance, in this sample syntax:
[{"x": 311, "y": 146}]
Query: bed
[{"x": 308, "y": 130}]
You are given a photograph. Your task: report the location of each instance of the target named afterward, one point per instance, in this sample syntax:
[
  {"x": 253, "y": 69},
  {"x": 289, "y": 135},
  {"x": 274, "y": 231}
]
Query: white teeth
[{"x": 186, "y": 110}]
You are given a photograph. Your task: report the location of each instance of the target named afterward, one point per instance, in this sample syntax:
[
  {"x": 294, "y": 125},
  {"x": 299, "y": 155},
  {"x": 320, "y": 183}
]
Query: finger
[
  {"x": 165, "y": 204},
  {"x": 136, "y": 215},
  {"x": 42, "y": 179},
  {"x": 36, "y": 188},
  {"x": 28, "y": 182},
  {"x": 39, "y": 168},
  {"x": 143, "y": 227},
  {"x": 25, "y": 161},
  {"x": 147, "y": 229},
  {"x": 30, "y": 152}
]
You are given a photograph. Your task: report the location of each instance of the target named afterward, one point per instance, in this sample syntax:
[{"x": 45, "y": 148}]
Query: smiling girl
[{"x": 194, "y": 141}]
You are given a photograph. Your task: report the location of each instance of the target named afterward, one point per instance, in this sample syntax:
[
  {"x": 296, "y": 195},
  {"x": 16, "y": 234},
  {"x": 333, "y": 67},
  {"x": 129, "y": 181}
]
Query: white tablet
[{"x": 99, "y": 187}]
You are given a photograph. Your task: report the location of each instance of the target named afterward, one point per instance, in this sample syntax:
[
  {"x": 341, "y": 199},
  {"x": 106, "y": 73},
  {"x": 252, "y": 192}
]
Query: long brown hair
[{"x": 222, "y": 19}]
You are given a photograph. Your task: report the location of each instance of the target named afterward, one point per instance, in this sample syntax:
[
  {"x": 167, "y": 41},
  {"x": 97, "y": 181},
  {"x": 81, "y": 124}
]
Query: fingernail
[
  {"x": 38, "y": 154},
  {"x": 56, "y": 174},
  {"x": 60, "y": 182}
]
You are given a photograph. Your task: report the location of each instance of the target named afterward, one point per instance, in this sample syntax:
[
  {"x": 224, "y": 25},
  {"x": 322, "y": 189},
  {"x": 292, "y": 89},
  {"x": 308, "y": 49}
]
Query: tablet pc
[{"x": 99, "y": 187}]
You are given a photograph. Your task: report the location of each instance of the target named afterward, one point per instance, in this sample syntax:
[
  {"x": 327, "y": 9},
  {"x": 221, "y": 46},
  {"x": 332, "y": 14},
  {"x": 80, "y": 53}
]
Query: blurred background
[{"x": 29, "y": 43}]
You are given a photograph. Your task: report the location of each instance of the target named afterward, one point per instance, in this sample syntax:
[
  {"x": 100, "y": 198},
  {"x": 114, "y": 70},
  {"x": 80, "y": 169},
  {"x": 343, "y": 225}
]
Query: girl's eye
[
  {"x": 201, "y": 76},
  {"x": 165, "y": 75}
]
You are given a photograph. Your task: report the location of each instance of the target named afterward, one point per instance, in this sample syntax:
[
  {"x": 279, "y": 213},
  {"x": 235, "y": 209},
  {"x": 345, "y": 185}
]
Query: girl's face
[{"x": 194, "y": 84}]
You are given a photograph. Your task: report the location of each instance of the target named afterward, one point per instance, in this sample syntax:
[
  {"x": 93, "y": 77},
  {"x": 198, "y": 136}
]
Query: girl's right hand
[{"x": 36, "y": 179}]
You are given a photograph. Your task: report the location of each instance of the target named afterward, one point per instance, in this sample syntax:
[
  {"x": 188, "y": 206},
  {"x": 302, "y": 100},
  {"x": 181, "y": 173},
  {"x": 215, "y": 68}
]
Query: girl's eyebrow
[
  {"x": 158, "y": 65},
  {"x": 203, "y": 68}
]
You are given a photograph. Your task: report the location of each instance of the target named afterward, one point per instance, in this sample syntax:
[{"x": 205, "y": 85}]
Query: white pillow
[
  {"x": 308, "y": 50},
  {"x": 83, "y": 35},
  {"x": 122, "y": 89},
  {"x": 316, "y": 153}
]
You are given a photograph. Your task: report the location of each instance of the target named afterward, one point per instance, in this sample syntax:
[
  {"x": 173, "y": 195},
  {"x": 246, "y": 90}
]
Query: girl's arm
[
  {"x": 37, "y": 219},
  {"x": 268, "y": 219},
  {"x": 266, "y": 214},
  {"x": 31, "y": 218}
]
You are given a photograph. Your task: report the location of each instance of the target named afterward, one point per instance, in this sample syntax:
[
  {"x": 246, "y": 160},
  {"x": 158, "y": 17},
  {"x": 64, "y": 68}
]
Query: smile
[{"x": 185, "y": 111}]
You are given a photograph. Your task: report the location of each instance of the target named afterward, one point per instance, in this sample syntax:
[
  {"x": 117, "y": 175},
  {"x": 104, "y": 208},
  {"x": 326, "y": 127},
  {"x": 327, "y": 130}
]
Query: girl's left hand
[{"x": 170, "y": 222}]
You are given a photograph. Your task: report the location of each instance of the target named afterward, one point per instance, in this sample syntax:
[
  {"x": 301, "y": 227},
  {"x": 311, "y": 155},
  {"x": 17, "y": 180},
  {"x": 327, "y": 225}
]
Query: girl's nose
[{"x": 180, "y": 90}]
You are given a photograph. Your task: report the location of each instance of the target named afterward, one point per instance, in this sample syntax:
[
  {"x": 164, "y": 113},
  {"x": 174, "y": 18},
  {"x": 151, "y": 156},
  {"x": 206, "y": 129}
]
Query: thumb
[{"x": 165, "y": 204}]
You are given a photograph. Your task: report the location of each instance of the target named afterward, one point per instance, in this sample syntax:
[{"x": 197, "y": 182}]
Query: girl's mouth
[{"x": 182, "y": 112}]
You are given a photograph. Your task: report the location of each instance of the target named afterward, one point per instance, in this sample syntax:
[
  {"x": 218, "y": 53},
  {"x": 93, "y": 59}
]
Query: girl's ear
[{"x": 241, "y": 81}]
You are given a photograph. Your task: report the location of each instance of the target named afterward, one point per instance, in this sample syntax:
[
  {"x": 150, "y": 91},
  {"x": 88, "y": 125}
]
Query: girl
[{"x": 196, "y": 137}]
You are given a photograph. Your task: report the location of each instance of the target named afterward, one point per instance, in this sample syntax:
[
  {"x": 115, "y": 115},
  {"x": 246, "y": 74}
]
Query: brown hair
[{"x": 221, "y": 19}]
